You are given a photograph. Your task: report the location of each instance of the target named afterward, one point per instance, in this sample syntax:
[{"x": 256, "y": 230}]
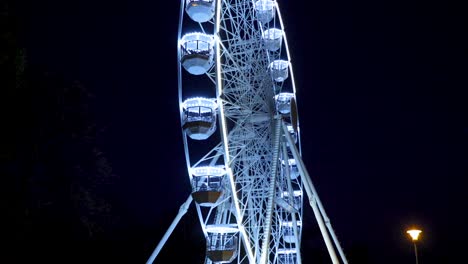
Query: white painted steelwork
[{"x": 258, "y": 140}]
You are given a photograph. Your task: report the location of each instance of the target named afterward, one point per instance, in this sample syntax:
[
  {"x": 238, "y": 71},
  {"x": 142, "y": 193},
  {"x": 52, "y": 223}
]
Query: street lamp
[{"x": 414, "y": 233}]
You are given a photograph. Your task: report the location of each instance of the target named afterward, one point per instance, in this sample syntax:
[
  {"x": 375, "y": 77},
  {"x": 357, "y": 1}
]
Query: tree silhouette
[{"x": 56, "y": 182}]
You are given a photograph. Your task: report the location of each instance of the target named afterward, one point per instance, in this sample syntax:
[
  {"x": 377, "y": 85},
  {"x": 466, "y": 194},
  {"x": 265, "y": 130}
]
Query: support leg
[
  {"x": 316, "y": 205},
  {"x": 293, "y": 214},
  {"x": 183, "y": 209}
]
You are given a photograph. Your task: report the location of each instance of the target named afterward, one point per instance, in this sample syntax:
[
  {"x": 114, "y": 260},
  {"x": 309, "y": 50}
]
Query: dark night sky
[{"x": 382, "y": 108}]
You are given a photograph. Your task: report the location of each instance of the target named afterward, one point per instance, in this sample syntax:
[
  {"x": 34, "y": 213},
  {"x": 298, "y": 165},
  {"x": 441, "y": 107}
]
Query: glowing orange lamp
[{"x": 414, "y": 233}]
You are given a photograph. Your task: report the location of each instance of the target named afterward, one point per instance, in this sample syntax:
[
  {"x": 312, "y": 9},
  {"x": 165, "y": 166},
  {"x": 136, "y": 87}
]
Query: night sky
[{"x": 383, "y": 116}]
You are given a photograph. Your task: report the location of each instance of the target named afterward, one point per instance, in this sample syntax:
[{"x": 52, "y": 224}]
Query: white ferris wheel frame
[{"x": 253, "y": 137}]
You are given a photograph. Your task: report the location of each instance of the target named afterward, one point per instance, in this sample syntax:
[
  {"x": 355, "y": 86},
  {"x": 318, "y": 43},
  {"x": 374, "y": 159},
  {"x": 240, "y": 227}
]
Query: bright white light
[
  {"x": 296, "y": 193},
  {"x": 284, "y": 97},
  {"x": 414, "y": 233},
  {"x": 222, "y": 228},
  {"x": 198, "y": 38},
  {"x": 279, "y": 65},
  {"x": 291, "y": 162},
  {"x": 290, "y": 224},
  {"x": 200, "y": 101},
  {"x": 286, "y": 251},
  {"x": 273, "y": 34},
  {"x": 208, "y": 171}
]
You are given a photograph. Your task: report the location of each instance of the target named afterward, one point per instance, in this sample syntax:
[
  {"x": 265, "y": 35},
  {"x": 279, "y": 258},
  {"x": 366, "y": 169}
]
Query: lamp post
[{"x": 414, "y": 233}]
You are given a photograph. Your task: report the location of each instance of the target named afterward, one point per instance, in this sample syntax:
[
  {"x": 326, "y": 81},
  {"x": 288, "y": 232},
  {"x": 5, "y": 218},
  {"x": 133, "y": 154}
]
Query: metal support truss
[
  {"x": 183, "y": 209},
  {"x": 271, "y": 191},
  {"x": 317, "y": 206}
]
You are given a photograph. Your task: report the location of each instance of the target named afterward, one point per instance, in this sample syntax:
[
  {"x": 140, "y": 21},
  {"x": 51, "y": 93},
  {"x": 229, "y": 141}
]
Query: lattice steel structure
[{"x": 248, "y": 180}]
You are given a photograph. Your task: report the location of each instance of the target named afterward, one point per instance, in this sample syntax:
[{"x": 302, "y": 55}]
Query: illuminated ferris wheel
[{"x": 241, "y": 134}]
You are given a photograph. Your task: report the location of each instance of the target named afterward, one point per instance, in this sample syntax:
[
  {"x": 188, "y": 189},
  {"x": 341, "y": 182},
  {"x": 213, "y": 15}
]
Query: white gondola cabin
[
  {"x": 197, "y": 52},
  {"x": 265, "y": 10},
  {"x": 283, "y": 102},
  {"x": 288, "y": 230},
  {"x": 200, "y": 10},
  {"x": 287, "y": 256},
  {"x": 272, "y": 38},
  {"x": 207, "y": 184},
  {"x": 222, "y": 243},
  {"x": 292, "y": 167},
  {"x": 199, "y": 117},
  {"x": 292, "y": 132},
  {"x": 279, "y": 70},
  {"x": 296, "y": 200}
]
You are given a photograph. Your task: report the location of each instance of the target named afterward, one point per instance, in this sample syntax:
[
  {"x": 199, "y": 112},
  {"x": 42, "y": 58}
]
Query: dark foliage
[{"x": 56, "y": 182}]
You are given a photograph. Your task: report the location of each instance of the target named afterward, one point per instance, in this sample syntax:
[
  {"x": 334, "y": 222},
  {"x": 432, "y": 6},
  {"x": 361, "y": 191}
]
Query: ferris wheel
[{"x": 241, "y": 134}]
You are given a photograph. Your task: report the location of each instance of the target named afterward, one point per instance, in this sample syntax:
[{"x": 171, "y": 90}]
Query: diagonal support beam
[
  {"x": 183, "y": 209},
  {"x": 317, "y": 207},
  {"x": 293, "y": 214}
]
